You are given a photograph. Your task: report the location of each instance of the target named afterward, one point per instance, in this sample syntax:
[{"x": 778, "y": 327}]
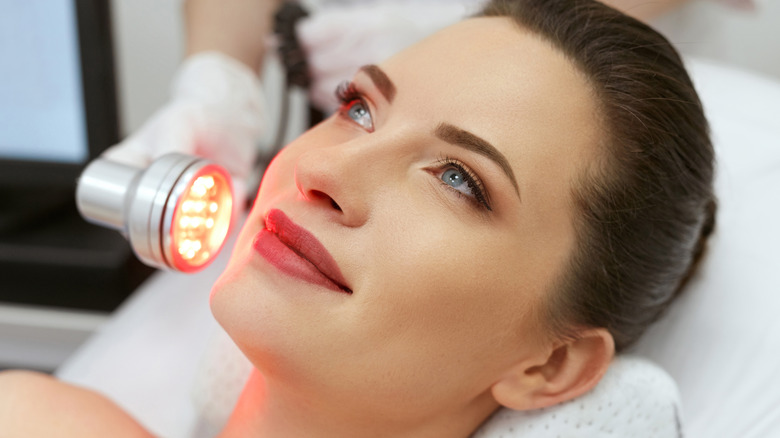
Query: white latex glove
[{"x": 216, "y": 111}]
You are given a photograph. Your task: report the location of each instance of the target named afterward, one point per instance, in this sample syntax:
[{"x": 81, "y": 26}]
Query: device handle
[{"x": 101, "y": 192}]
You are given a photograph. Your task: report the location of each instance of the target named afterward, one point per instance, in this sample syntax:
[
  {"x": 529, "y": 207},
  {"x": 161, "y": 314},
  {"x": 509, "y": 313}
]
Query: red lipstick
[{"x": 296, "y": 252}]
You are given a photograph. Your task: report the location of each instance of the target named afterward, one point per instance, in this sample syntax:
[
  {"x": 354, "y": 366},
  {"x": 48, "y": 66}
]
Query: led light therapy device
[{"x": 176, "y": 213}]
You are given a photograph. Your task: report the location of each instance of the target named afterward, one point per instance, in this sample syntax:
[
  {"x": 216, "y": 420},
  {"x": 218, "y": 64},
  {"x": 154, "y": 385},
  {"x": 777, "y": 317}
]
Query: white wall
[
  {"x": 706, "y": 28},
  {"x": 148, "y": 44}
]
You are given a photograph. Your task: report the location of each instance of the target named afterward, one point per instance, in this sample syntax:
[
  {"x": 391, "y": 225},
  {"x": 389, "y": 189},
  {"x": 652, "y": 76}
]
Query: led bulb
[
  {"x": 176, "y": 213},
  {"x": 201, "y": 219}
]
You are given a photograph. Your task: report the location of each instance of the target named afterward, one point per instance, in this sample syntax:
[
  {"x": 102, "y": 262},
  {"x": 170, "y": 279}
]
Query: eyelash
[
  {"x": 481, "y": 198},
  {"x": 346, "y": 93},
  {"x": 349, "y": 96}
]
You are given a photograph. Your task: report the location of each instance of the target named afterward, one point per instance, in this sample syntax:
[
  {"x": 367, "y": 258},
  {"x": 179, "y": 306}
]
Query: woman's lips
[{"x": 296, "y": 252}]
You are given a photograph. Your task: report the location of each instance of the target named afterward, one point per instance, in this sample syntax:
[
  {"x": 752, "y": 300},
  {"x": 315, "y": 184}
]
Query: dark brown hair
[{"x": 645, "y": 209}]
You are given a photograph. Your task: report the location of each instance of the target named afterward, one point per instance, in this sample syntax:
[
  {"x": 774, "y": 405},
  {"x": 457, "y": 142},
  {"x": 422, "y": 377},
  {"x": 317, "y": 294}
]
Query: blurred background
[{"x": 76, "y": 76}]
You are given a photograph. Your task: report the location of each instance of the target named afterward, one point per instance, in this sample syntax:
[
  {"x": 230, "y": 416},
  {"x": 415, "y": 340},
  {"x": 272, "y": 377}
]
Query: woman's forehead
[{"x": 503, "y": 83}]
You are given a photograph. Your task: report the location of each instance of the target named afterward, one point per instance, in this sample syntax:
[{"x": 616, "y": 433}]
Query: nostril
[{"x": 323, "y": 197}]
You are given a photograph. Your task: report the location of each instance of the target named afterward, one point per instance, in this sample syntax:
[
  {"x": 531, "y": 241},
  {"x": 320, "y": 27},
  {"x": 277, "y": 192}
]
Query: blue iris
[
  {"x": 453, "y": 177},
  {"x": 359, "y": 113}
]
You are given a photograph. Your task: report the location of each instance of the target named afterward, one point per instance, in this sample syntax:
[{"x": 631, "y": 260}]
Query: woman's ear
[{"x": 566, "y": 371}]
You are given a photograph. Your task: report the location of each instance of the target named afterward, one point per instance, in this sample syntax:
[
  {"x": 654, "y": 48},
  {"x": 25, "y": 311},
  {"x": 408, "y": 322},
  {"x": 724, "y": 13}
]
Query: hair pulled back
[{"x": 645, "y": 209}]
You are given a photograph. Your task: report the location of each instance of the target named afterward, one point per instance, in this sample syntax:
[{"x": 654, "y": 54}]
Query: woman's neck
[{"x": 262, "y": 412}]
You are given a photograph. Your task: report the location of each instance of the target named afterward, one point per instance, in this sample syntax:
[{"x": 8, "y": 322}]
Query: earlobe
[{"x": 566, "y": 371}]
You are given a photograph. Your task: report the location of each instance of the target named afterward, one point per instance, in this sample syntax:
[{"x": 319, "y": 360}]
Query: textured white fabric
[
  {"x": 635, "y": 399},
  {"x": 216, "y": 111},
  {"x": 222, "y": 374}
]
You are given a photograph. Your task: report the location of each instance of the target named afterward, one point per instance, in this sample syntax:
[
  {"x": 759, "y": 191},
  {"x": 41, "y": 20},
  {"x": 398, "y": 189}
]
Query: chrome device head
[{"x": 176, "y": 213}]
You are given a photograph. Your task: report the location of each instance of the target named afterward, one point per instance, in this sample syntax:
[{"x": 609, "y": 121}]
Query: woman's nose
[{"x": 333, "y": 178}]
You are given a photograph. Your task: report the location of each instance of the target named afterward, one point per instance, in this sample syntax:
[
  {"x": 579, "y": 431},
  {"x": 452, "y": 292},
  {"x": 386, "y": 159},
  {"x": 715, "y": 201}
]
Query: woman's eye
[
  {"x": 354, "y": 106},
  {"x": 357, "y": 110},
  {"x": 456, "y": 179}
]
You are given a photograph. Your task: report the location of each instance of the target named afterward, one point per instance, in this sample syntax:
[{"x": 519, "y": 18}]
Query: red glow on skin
[{"x": 296, "y": 252}]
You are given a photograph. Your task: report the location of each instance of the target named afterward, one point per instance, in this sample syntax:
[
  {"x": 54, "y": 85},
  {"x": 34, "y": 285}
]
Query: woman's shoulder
[{"x": 35, "y": 404}]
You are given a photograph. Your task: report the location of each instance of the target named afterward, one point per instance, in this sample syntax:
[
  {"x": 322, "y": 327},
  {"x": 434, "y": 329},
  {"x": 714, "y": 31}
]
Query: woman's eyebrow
[
  {"x": 381, "y": 81},
  {"x": 462, "y": 138}
]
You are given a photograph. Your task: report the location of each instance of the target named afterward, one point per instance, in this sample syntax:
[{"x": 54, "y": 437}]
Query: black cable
[
  {"x": 293, "y": 58},
  {"x": 296, "y": 72}
]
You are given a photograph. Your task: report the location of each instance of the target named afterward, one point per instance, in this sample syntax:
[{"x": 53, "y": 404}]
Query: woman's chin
[{"x": 272, "y": 320}]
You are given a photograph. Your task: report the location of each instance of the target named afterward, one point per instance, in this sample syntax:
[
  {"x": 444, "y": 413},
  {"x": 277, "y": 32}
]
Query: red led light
[{"x": 201, "y": 220}]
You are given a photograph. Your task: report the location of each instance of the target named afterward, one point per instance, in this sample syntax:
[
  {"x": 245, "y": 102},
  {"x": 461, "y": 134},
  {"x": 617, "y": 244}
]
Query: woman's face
[{"x": 441, "y": 192}]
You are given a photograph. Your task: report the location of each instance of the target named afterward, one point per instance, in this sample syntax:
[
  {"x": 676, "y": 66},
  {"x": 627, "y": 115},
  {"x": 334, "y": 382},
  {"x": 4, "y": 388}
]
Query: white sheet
[{"x": 721, "y": 342}]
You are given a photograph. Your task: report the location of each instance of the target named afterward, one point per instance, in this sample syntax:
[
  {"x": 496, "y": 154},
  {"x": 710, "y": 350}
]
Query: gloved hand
[{"x": 216, "y": 111}]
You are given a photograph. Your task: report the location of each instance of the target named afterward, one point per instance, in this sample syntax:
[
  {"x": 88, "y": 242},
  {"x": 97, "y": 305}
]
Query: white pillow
[
  {"x": 721, "y": 341},
  {"x": 634, "y": 399}
]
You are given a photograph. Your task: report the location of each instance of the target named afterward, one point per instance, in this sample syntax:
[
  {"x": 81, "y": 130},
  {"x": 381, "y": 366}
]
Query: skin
[
  {"x": 442, "y": 327},
  {"x": 37, "y": 405},
  {"x": 237, "y": 28}
]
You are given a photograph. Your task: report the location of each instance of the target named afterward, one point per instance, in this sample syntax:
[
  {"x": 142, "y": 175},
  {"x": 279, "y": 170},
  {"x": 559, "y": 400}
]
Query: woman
[{"x": 491, "y": 214}]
